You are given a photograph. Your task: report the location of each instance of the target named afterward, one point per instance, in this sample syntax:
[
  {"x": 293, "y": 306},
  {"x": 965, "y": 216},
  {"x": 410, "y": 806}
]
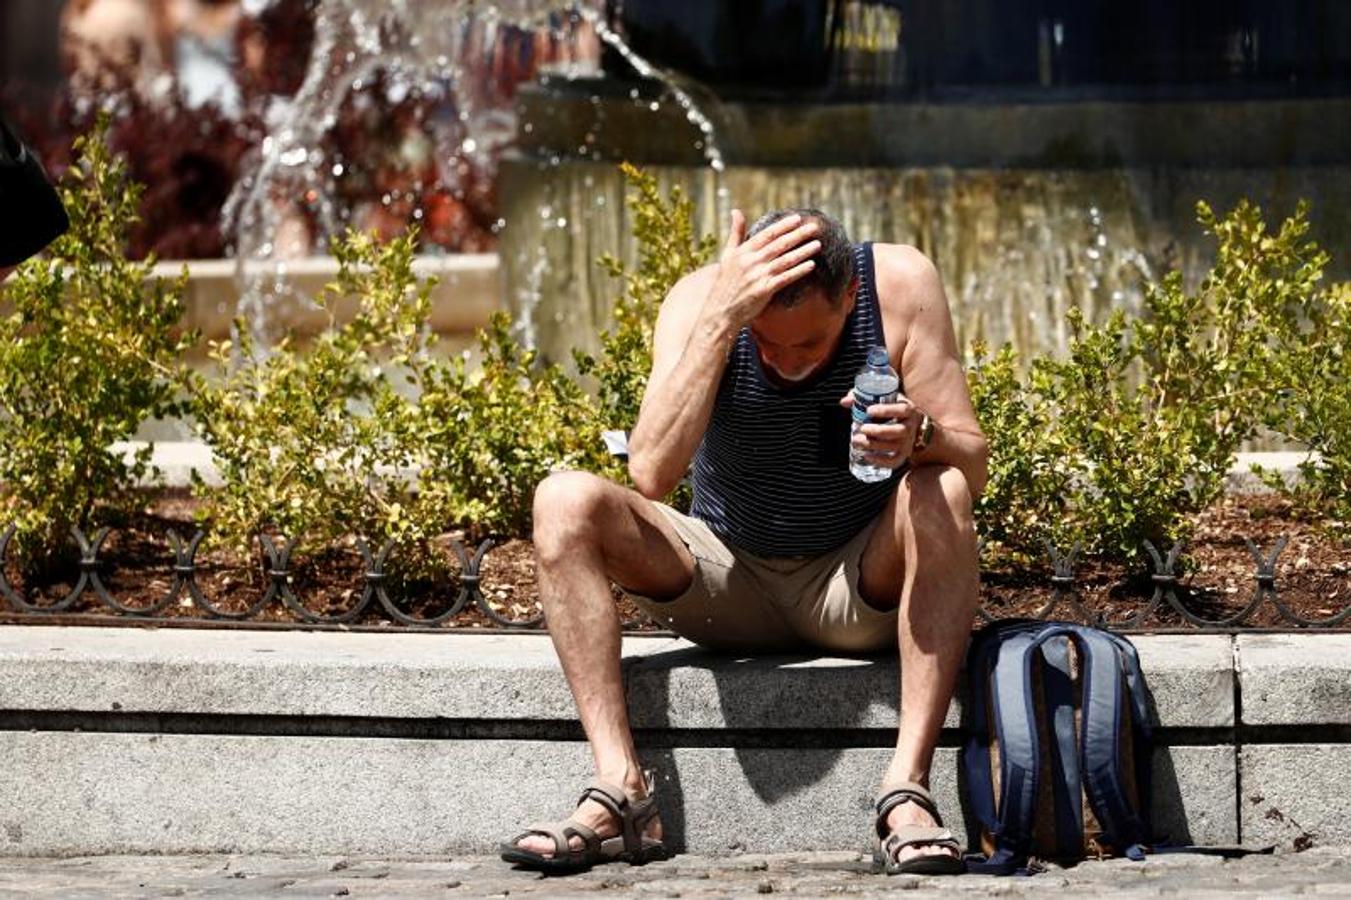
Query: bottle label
[{"x": 864, "y": 399}]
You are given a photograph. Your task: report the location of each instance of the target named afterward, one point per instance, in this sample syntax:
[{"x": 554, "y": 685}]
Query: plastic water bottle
[{"x": 876, "y": 382}]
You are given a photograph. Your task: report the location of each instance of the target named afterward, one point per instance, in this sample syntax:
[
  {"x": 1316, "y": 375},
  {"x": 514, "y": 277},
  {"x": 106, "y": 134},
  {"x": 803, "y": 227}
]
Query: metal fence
[
  {"x": 1066, "y": 596},
  {"x": 1165, "y": 595}
]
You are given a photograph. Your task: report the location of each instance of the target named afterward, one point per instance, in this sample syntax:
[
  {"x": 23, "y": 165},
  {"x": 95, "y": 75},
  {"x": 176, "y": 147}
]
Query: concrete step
[{"x": 199, "y": 740}]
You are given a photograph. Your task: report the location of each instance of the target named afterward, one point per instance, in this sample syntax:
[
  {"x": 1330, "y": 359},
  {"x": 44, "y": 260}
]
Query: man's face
[{"x": 796, "y": 343}]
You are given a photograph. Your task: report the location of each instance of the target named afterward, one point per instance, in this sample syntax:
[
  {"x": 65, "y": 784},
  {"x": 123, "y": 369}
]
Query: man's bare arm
[
  {"x": 931, "y": 371},
  {"x": 694, "y": 332},
  {"x": 688, "y": 357}
]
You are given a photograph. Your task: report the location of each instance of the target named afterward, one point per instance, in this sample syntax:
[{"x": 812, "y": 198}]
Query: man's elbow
[
  {"x": 980, "y": 469},
  {"x": 646, "y": 479}
]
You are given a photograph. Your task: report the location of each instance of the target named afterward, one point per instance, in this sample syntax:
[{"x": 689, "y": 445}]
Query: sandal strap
[
  {"x": 919, "y": 836},
  {"x": 561, "y": 833},
  {"x": 904, "y": 792},
  {"x": 632, "y": 815},
  {"x": 610, "y": 796}
]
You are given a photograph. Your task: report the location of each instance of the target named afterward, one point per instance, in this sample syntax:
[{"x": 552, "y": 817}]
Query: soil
[{"x": 1216, "y": 577}]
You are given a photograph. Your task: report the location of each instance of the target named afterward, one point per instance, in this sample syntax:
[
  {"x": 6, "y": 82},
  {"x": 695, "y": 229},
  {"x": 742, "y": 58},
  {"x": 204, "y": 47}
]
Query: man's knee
[
  {"x": 937, "y": 498},
  {"x": 567, "y": 507}
]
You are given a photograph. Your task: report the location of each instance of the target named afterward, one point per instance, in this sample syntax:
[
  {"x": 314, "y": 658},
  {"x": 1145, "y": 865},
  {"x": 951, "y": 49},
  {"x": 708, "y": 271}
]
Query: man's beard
[{"x": 796, "y": 377}]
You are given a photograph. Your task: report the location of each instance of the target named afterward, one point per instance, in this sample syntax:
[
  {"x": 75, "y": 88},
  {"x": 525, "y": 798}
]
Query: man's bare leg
[
  {"x": 589, "y": 532},
  {"x": 928, "y": 558}
]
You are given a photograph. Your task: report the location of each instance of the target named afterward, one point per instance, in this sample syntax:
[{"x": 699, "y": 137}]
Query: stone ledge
[
  {"x": 681, "y": 686},
  {"x": 1295, "y": 679},
  {"x": 463, "y": 299},
  {"x": 1295, "y": 795},
  {"x": 93, "y": 793},
  {"x": 672, "y": 684}
]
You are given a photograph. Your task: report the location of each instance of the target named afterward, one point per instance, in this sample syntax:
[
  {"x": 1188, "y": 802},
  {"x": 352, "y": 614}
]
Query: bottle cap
[{"x": 877, "y": 356}]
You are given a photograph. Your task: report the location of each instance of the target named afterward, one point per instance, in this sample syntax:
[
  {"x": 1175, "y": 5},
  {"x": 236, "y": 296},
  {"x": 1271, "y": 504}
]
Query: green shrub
[
  {"x": 492, "y": 433},
  {"x": 1030, "y": 477},
  {"x": 89, "y": 351},
  {"x": 1146, "y": 414},
  {"x": 315, "y": 444},
  {"x": 1315, "y": 362}
]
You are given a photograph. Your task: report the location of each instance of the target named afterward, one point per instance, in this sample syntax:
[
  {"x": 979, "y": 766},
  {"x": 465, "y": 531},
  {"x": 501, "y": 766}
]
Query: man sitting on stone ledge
[{"x": 753, "y": 364}]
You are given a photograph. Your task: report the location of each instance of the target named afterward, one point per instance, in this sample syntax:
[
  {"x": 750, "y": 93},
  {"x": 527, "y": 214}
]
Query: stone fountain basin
[{"x": 467, "y": 292}]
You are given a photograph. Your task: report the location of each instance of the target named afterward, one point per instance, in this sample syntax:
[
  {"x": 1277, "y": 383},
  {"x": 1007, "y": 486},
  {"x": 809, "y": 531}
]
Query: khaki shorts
[{"x": 740, "y": 601}]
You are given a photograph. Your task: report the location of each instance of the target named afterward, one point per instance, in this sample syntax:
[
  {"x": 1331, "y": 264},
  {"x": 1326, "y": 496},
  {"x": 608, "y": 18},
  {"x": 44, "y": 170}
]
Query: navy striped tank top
[{"x": 771, "y": 475}]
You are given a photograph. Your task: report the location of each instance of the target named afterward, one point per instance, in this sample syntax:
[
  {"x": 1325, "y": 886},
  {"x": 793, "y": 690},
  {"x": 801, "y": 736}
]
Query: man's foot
[
  {"x": 910, "y": 834},
  {"x": 914, "y": 814},
  {"x": 596, "y": 831},
  {"x": 599, "y": 819}
]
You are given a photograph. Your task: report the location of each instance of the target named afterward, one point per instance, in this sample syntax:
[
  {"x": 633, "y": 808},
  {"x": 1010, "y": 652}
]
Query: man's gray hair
[{"x": 834, "y": 267}]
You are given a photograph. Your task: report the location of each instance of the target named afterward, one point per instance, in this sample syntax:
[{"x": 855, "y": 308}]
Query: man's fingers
[
  {"x": 791, "y": 239},
  {"x": 889, "y": 432},
  {"x": 898, "y": 410},
  {"x": 783, "y": 279},
  {"x": 774, "y": 230},
  {"x": 794, "y": 256},
  {"x": 736, "y": 233}
]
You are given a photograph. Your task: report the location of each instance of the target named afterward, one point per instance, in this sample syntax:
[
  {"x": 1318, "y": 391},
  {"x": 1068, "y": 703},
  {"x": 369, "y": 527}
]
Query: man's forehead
[{"x": 812, "y": 313}]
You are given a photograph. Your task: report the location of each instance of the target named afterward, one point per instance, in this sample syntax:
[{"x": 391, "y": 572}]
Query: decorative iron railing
[
  {"x": 1165, "y": 595},
  {"x": 1065, "y": 592}
]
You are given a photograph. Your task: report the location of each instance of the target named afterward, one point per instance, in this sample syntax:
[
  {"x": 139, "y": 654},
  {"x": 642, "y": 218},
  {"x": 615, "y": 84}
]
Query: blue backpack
[{"x": 1058, "y": 752}]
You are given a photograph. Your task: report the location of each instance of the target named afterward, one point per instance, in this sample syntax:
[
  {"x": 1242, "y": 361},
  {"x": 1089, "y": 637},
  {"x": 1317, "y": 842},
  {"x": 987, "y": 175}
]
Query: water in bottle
[{"x": 876, "y": 382}]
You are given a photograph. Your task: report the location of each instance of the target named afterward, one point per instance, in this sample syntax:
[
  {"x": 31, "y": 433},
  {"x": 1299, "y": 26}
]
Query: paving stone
[
  {"x": 815, "y": 874},
  {"x": 1295, "y": 679}
]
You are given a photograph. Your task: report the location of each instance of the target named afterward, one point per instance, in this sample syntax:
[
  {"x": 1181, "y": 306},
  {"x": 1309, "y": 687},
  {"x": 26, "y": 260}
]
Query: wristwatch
[{"x": 925, "y": 434}]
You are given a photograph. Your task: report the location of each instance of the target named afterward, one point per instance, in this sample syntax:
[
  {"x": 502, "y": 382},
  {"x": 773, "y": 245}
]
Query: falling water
[{"x": 426, "y": 46}]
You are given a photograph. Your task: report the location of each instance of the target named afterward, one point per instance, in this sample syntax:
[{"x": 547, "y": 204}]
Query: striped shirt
[{"x": 771, "y": 475}]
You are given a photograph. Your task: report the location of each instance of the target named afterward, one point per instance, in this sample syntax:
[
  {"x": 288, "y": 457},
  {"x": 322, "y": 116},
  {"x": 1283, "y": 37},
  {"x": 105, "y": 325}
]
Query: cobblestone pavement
[{"x": 1321, "y": 872}]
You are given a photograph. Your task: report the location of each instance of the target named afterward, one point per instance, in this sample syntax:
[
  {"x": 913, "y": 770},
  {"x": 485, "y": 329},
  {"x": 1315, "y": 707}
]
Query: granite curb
[{"x": 196, "y": 740}]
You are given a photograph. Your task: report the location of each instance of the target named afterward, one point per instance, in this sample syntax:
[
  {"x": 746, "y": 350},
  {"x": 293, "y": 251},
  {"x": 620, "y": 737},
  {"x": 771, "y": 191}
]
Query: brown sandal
[
  {"x": 630, "y": 845},
  {"x": 890, "y": 843}
]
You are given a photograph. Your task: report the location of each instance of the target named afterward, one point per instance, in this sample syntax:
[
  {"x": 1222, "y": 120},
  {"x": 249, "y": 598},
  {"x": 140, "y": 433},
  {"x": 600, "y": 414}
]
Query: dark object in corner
[{"x": 31, "y": 215}]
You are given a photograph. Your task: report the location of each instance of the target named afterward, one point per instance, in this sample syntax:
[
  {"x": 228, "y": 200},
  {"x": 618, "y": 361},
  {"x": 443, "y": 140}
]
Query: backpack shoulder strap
[
  {"x": 1101, "y": 723},
  {"x": 1142, "y": 730},
  {"x": 999, "y": 686},
  {"x": 1066, "y": 781},
  {"x": 1019, "y": 747},
  {"x": 986, "y": 646}
]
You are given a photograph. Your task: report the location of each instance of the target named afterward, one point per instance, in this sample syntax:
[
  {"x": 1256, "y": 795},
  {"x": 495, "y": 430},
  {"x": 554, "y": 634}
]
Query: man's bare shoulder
[
  {"x": 694, "y": 286},
  {"x": 908, "y": 291},
  {"x": 902, "y": 271}
]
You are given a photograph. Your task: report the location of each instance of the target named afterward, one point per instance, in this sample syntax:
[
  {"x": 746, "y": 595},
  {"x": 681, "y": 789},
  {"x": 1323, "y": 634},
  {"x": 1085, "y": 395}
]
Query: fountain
[
  {"x": 440, "y": 49},
  {"x": 1031, "y": 201}
]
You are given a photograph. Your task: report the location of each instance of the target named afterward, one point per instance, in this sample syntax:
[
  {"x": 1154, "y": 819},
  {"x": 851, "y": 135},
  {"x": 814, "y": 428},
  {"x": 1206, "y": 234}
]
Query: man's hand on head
[
  {"x": 888, "y": 439},
  {"x": 751, "y": 271}
]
